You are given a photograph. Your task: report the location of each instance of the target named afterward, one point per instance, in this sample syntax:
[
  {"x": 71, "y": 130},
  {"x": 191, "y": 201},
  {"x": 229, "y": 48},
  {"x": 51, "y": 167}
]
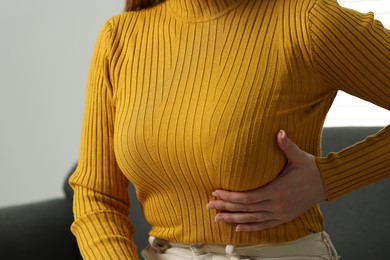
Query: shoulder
[
  {"x": 295, "y": 12},
  {"x": 118, "y": 23},
  {"x": 123, "y": 29},
  {"x": 119, "y": 26},
  {"x": 127, "y": 20}
]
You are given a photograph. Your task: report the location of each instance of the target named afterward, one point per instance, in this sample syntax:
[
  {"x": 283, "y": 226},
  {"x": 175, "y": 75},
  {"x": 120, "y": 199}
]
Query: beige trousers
[{"x": 314, "y": 246}]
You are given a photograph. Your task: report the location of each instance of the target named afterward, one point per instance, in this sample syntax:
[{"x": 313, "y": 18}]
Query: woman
[{"x": 185, "y": 99}]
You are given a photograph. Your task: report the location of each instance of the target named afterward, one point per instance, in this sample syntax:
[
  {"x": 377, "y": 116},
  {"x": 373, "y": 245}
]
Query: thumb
[{"x": 288, "y": 147}]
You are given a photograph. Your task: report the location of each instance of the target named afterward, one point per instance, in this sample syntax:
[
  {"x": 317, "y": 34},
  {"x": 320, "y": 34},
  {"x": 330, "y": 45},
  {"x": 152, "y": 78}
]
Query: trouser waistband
[{"x": 312, "y": 245}]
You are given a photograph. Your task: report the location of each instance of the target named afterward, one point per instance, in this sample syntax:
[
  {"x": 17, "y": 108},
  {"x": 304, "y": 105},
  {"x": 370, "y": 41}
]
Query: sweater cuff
[
  {"x": 106, "y": 236},
  {"x": 354, "y": 167}
]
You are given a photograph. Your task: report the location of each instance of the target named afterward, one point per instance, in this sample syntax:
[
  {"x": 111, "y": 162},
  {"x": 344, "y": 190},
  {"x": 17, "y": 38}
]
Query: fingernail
[
  {"x": 283, "y": 134},
  {"x": 215, "y": 194},
  {"x": 239, "y": 228},
  {"x": 218, "y": 218},
  {"x": 210, "y": 205}
]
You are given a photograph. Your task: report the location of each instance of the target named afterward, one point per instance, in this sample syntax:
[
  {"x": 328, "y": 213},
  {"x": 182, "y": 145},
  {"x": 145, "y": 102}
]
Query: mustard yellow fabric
[{"x": 187, "y": 97}]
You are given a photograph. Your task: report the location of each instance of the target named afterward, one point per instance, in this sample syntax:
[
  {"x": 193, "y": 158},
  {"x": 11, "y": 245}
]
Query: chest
[{"x": 201, "y": 98}]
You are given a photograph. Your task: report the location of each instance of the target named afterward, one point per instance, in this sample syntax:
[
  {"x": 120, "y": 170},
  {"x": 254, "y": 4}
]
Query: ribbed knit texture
[{"x": 188, "y": 96}]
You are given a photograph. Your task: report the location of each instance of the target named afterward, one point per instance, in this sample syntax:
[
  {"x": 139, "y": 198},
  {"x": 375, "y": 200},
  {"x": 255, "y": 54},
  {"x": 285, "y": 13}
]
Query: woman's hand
[{"x": 297, "y": 189}]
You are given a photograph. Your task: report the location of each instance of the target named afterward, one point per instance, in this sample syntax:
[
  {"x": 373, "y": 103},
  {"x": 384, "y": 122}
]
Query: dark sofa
[{"x": 359, "y": 223}]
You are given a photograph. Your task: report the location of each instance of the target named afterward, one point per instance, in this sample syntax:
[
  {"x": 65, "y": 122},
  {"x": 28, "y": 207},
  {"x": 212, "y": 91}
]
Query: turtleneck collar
[{"x": 201, "y": 10}]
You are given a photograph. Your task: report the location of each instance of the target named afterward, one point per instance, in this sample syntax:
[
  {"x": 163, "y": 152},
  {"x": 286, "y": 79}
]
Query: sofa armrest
[
  {"x": 358, "y": 223},
  {"x": 38, "y": 231}
]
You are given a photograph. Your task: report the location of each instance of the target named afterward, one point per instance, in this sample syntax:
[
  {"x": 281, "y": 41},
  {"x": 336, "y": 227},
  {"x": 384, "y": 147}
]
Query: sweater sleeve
[
  {"x": 101, "y": 203},
  {"x": 351, "y": 52}
]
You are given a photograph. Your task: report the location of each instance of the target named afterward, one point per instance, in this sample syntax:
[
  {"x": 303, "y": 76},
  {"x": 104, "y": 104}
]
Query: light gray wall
[{"x": 45, "y": 49}]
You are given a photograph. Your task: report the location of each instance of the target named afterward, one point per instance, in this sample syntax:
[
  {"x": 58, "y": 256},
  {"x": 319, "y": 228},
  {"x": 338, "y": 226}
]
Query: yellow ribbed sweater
[{"x": 187, "y": 97}]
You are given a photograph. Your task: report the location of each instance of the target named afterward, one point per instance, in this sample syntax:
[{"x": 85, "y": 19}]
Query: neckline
[{"x": 201, "y": 10}]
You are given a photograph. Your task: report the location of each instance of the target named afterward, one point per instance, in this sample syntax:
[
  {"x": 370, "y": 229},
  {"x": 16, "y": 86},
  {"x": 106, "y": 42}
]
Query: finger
[
  {"x": 288, "y": 147},
  {"x": 254, "y": 217},
  {"x": 238, "y": 207},
  {"x": 242, "y": 197},
  {"x": 258, "y": 226}
]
